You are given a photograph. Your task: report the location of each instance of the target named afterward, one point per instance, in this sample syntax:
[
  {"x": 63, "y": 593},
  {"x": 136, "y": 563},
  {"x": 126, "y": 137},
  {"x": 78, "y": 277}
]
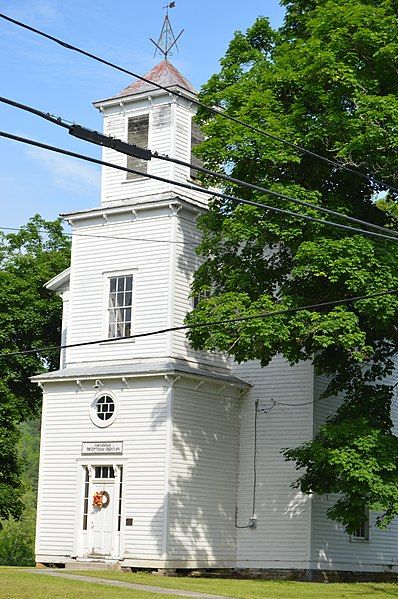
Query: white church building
[{"x": 154, "y": 455}]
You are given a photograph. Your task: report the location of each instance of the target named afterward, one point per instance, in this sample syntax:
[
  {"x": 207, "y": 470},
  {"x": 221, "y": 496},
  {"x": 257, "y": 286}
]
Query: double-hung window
[{"x": 120, "y": 306}]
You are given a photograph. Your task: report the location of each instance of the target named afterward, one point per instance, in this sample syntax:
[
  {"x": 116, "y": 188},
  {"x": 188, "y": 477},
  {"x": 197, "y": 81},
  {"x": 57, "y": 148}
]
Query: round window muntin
[{"x": 103, "y": 409}]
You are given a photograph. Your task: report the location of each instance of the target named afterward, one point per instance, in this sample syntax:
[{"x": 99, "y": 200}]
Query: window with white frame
[
  {"x": 199, "y": 297},
  {"x": 120, "y": 306},
  {"x": 104, "y": 409},
  {"x": 362, "y": 532},
  {"x": 104, "y": 472},
  {"x": 137, "y": 134}
]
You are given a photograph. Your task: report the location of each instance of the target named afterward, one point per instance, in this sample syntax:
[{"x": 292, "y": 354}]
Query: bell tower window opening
[
  {"x": 196, "y": 138},
  {"x": 120, "y": 306},
  {"x": 137, "y": 134}
]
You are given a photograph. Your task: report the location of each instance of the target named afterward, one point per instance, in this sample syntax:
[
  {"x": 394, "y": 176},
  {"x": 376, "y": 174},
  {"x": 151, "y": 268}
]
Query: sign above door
[{"x": 103, "y": 447}]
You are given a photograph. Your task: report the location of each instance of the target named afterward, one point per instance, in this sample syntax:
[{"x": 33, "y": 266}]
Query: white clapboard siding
[
  {"x": 187, "y": 262},
  {"x": 332, "y": 547},
  {"x": 141, "y": 425},
  {"x": 93, "y": 260},
  {"x": 202, "y": 495},
  {"x": 162, "y": 273},
  {"x": 65, "y": 320},
  {"x": 182, "y": 151},
  {"x": 182, "y": 141},
  {"x": 282, "y": 536}
]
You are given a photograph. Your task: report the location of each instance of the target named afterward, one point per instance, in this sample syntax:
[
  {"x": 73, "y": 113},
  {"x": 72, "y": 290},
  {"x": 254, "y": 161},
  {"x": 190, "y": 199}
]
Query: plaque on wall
[{"x": 102, "y": 447}]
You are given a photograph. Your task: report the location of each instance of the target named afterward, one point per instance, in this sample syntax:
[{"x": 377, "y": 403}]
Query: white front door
[
  {"x": 103, "y": 519},
  {"x": 100, "y": 515}
]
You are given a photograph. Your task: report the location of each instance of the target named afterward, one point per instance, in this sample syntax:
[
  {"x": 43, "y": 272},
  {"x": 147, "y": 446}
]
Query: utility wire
[
  {"x": 275, "y": 403},
  {"x": 275, "y": 194},
  {"x": 44, "y": 115},
  {"x": 308, "y": 403},
  {"x": 218, "y": 110},
  {"x": 130, "y": 149},
  {"x": 121, "y": 238},
  {"x": 208, "y": 324},
  {"x": 191, "y": 187}
]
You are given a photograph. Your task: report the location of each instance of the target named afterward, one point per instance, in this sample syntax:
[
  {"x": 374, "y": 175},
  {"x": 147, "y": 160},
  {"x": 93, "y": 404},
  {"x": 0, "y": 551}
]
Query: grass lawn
[
  {"x": 17, "y": 584},
  {"x": 259, "y": 589}
]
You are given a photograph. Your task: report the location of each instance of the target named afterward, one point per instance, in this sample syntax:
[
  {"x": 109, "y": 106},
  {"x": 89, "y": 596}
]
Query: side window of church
[
  {"x": 138, "y": 127},
  {"x": 362, "y": 532},
  {"x": 196, "y": 138},
  {"x": 120, "y": 306},
  {"x": 199, "y": 297}
]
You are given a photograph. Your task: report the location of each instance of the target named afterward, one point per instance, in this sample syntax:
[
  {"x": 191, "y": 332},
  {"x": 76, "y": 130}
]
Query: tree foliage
[
  {"x": 30, "y": 317},
  {"x": 17, "y": 537},
  {"x": 326, "y": 80}
]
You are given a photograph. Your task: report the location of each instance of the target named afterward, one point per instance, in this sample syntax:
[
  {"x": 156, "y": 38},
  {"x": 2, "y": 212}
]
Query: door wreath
[{"x": 101, "y": 499}]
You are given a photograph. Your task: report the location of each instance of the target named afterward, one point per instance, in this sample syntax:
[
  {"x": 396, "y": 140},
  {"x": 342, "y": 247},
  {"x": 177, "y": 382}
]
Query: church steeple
[{"x": 151, "y": 117}]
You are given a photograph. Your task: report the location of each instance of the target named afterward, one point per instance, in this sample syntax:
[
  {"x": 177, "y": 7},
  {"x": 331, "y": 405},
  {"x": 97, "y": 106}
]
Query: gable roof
[{"x": 164, "y": 74}]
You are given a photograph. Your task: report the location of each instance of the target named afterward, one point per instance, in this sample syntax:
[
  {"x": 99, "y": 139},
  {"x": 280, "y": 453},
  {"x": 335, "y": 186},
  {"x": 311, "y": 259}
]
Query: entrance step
[{"x": 93, "y": 564}]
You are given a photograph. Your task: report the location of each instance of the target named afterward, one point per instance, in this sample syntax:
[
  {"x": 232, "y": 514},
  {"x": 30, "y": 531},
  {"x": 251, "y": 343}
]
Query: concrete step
[{"x": 93, "y": 564}]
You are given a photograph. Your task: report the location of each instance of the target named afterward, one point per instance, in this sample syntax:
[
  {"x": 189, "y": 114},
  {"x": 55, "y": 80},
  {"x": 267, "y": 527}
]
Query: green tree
[
  {"x": 30, "y": 317},
  {"x": 17, "y": 537},
  {"x": 29, "y": 452},
  {"x": 328, "y": 81},
  {"x": 388, "y": 205}
]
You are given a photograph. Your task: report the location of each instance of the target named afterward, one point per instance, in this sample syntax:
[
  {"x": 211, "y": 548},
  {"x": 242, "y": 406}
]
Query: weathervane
[{"x": 167, "y": 39}]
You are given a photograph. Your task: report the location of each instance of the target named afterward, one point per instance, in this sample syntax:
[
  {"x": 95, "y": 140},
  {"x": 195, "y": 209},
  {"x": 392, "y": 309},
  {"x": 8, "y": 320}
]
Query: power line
[
  {"x": 218, "y": 110},
  {"x": 296, "y": 405},
  {"x": 208, "y": 324},
  {"x": 116, "y": 237},
  {"x": 44, "y": 115},
  {"x": 308, "y": 403},
  {"x": 192, "y": 187},
  {"x": 276, "y": 194},
  {"x": 145, "y": 154}
]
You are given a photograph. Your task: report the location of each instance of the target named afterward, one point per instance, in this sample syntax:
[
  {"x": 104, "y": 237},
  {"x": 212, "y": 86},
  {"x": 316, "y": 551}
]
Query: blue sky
[{"x": 37, "y": 72}]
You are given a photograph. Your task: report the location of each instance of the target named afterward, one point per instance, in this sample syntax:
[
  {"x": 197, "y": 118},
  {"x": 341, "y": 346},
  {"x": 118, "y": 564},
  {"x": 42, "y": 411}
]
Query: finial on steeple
[{"x": 167, "y": 39}]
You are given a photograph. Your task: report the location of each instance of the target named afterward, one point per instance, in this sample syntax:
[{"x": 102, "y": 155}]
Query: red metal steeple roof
[{"x": 164, "y": 74}]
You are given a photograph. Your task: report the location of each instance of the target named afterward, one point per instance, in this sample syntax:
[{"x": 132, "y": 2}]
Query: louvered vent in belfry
[{"x": 138, "y": 135}]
